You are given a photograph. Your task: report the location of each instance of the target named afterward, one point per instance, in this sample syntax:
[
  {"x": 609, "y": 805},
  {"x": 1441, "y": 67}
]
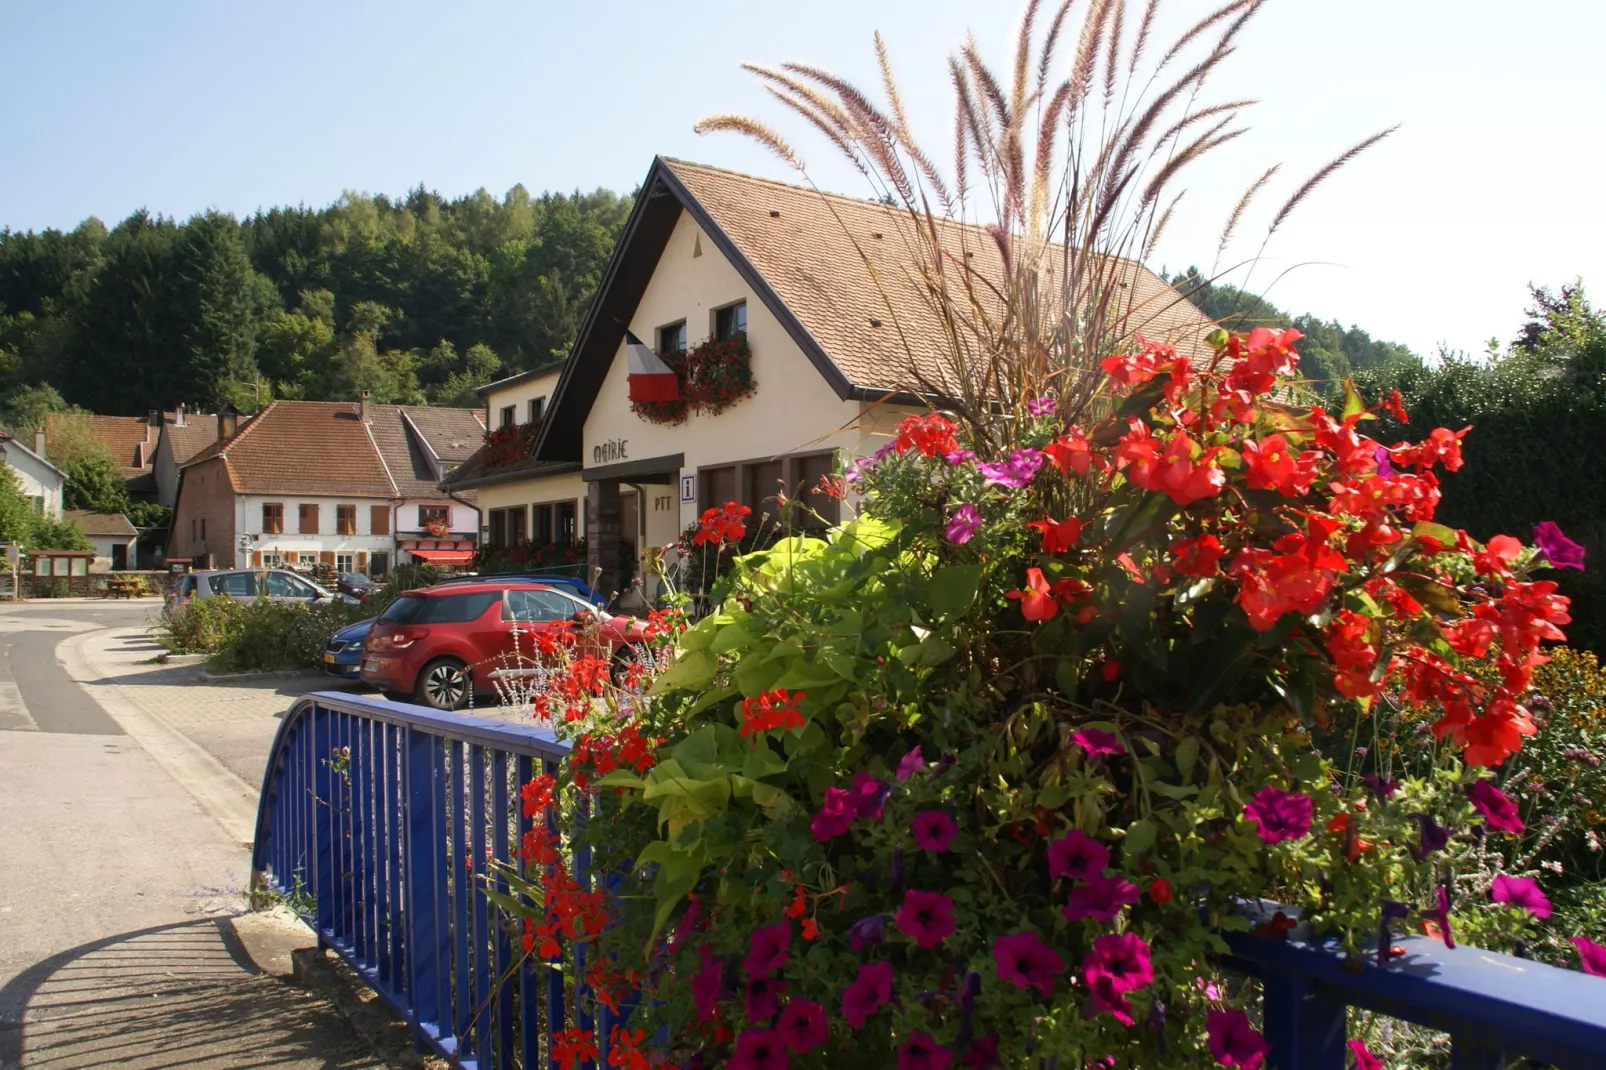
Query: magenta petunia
[
  {"x": 802, "y": 1025},
  {"x": 707, "y": 984},
  {"x": 1078, "y": 856},
  {"x": 1591, "y": 956},
  {"x": 962, "y": 524},
  {"x": 1025, "y": 961},
  {"x": 920, "y": 1052},
  {"x": 835, "y": 816},
  {"x": 1558, "y": 549},
  {"x": 867, "y": 932},
  {"x": 1439, "y": 914},
  {"x": 1043, "y": 406},
  {"x": 1123, "y": 958},
  {"x": 934, "y": 830},
  {"x": 868, "y": 994},
  {"x": 1096, "y": 742},
  {"x": 1496, "y": 807},
  {"x": 927, "y": 918},
  {"x": 762, "y": 1000},
  {"x": 1108, "y": 999},
  {"x": 1279, "y": 815},
  {"x": 911, "y": 763},
  {"x": 759, "y": 1049},
  {"x": 983, "y": 1054},
  {"x": 1016, "y": 472},
  {"x": 869, "y": 795},
  {"x": 1100, "y": 898},
  {"x": 1364, "y": 1059},
  {"x": 1233, "y": 1041},
  {"x": 1521, "y": 892},
  {"x": 766, "y": 949}
]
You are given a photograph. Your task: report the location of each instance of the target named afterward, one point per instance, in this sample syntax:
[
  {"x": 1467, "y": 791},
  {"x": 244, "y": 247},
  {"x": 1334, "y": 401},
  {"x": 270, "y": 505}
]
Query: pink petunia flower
[
  {"x": 962, "y": 524},
  {"x": 911, "y": 763},
  {"x": 1043, "y": 406},
  {"x": 762, "y": 1000},
  {"x": 1364, "y": 1059},
  {"x": 835, "y": 816},
  {"x": 707, "y": 984},
  {"x": 870, "y": 795},
  {"x": 1233, "y": 1041},
  {"x": 1279, "y": 815},
  {"x": 1496, "y": 807},
  {"x": 1025, "y": 961},
  {"x": 934, "y": 830},
  {"x": 1591, "y": 956},
  {"x": 1558, "y": 549},
  {"x": 920, "y": 1052},
  {"x": 927, "y": 918},
  {"x": 802, "y": 1025},
  {"x": 1096, "y": 742},
  {"x": 1078, "y": 856},
  {"x": 767, "y": 948},
  {"x": 868, "y": 994},
  {"x": 1016, "y": 472},
  {"x": 1522, "y": 892},
  {"x": 1100, "y": 898},
  {"x": 983, "y": 1054},
  {"x": 759, "y": 1049},
  {"x": 1106, "y": 998},
  {"x": 1123, "y": 958}
]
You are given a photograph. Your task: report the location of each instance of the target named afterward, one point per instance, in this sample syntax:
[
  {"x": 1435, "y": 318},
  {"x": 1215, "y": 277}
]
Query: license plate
[
  {"x": 328, "y": 659},
  {"x": 371, "y": 665}
]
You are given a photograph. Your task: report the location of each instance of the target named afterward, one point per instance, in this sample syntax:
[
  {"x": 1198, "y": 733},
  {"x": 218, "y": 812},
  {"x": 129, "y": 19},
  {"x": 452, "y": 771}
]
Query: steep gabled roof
[
  {"x": 828, "y": 268},
  {"x": 121, "y": 435},
  {"x": 410, "y": 440},
  {"x": 196, "y": 433},
  {"x": 303, "y": 447}
]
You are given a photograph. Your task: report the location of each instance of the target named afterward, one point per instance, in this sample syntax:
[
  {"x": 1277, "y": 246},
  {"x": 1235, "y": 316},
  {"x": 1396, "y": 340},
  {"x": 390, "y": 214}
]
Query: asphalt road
[{"x": 35, "y": 691}]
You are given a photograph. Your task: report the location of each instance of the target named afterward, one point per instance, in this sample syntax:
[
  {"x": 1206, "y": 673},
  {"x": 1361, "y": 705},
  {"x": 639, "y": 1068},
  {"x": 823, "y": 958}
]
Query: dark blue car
[{"x": 342, "y": 655}]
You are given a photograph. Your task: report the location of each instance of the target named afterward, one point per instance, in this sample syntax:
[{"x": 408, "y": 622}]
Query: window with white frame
[{"x": 345, "y": 562}]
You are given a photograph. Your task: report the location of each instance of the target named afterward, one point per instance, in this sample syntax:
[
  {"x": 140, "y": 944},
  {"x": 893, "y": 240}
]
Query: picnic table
[{"x": 123, "y": 587}]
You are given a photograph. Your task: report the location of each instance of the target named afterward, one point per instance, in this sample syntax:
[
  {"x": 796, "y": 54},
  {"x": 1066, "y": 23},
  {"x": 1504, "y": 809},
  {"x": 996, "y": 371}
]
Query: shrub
[{"x": 254, "y": 636}]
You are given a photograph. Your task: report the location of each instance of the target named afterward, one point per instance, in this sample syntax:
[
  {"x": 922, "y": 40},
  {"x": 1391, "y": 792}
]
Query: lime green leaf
[
  {"x": 953, "y": 588},
  {"x": 690, "y": 671},
  {"x": 1139, "y": 837},
  {"x": 762, "y": 762},
  {"x": 731, "y": 637},
  {"x": 1187, "y": 754},
  {"x": 1353, "y": 404},
  {"x": 754, "y": 675}
]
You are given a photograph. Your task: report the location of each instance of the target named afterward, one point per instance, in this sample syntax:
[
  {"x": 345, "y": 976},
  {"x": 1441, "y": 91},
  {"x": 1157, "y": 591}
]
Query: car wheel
[
  {"x": 624, "y": 657},
  {"x": 443, "y": 684}
]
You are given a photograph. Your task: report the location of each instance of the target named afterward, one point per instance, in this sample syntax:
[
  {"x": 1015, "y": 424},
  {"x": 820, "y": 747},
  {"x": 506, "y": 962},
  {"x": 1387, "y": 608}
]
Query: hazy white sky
[{"x": 181, "y": 105}]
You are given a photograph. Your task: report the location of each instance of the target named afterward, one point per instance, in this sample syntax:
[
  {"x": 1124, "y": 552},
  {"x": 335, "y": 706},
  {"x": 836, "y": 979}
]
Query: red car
[{"x": 440, "y": 645}]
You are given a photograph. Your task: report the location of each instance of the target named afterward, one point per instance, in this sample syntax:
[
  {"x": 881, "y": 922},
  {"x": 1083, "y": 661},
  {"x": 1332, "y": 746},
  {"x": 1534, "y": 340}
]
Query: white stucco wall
[
  {"x": 36, "y": 478},
  {"x": 519, "y": 396}
]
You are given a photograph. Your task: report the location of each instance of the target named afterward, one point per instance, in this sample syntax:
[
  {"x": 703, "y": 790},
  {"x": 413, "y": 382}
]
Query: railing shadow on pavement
[
  {"x": 169, "y": 995},
  {"x": 377, "y": 823}
]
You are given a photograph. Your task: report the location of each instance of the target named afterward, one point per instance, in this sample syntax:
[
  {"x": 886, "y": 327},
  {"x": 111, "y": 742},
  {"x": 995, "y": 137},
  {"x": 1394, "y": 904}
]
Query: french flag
[{"x": 650, "y": 378}]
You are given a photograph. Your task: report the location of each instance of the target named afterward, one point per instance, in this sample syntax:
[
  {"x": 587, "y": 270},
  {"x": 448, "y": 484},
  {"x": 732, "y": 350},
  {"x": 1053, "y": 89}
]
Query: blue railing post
[{"x": 1304, "y": 1028}]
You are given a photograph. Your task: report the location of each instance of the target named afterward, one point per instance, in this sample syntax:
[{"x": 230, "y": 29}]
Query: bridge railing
[
  {"x": 1496, "y": 1008},
  {"x": 377, "y": 823}
]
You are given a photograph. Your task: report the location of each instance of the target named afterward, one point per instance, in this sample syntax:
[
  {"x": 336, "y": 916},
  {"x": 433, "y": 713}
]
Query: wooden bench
[{"x": 123, "y": 587}]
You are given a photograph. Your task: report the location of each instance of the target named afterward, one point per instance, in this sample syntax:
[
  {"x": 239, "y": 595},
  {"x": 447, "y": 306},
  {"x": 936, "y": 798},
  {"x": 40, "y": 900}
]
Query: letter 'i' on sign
[
  {"x": 688, "y": 488},
  {"x": 650, "y": 378}
]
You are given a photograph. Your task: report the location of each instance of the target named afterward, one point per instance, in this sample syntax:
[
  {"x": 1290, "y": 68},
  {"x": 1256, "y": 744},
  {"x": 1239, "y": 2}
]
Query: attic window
[
  {"x": 775, "y": 213},
  {"x": 875, "y": 323},
  {"x": 875, "y": 234}
]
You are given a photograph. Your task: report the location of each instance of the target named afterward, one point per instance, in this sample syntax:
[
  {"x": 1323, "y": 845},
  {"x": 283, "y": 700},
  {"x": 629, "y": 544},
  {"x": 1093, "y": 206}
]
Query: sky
[{"x": 1430, "y": 239}]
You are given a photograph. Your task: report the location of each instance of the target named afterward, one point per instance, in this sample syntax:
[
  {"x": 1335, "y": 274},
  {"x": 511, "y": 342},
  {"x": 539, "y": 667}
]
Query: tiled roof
[
  {"x": 122, "y": 435},
  {"x": 812, "y": 248},
  {"x": 196, "y": 433},
  {"x": 474, "y": 472},
  {"x": 459, "y": 432},
  {"x": 104, "y": 524},
  {"x": 304, "y": 447}
]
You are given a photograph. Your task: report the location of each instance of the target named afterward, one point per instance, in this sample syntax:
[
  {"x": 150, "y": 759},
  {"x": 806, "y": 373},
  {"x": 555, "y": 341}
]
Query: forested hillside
[{"x": 417, "y": 300}]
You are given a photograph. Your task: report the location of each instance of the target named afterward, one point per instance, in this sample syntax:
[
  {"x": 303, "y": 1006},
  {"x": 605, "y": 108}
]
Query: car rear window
[
  {"x": 440, "y": 609},
  {"x": 234, "y": 584}
]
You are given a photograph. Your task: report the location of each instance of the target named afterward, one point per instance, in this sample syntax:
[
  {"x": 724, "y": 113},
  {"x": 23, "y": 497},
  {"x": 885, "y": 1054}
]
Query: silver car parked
[{"x": 249, "y": 584}]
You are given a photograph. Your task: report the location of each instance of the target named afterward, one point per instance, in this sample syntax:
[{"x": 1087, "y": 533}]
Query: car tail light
[{"x": 403, "y": 638}]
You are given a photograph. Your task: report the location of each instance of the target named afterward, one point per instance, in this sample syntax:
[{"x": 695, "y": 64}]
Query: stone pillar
[{"x": 602, "y": 536}]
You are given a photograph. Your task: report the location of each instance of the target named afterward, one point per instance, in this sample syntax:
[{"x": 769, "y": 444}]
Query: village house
[
  {"x": 351, "y": 485},
  {"x": 40, "y": 480},
  {"x": 131, "y": 441},
  {"x": 183, "y": 435},
  {"x": 709, "y": 254},
  {"x": 112, "y": 536}
]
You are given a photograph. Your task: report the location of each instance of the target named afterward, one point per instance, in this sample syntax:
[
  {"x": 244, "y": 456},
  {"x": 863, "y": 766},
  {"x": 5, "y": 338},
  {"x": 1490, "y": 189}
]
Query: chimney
[
  {"x": 228, "y": 422},
  {"x": 39, "y": 441},
  {"x": 362, "y": 406},
  {"x": 178, "y": 415},
  {"x": 153, "y": 424}
]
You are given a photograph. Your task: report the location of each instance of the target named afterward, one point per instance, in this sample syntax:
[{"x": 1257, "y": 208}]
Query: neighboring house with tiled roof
[
  {"x": 348, "y": 484},
  {"x": 183, "y": 436},
  {"x": 843, "y": 343},
  {"x": 40, "y": 480},
  {"x": 112, "y": 536},
  {"x": 131, "y": 441}
]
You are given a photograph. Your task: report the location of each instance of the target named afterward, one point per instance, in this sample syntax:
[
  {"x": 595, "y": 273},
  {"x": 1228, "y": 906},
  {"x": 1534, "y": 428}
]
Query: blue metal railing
[
  {"x": 377, "y": 823},
  {"x": 1494, "y": 1007}
]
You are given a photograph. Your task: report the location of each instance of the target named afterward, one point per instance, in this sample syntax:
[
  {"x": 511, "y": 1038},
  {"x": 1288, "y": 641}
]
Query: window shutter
[
  {"x": 256, "y": 560},
  {"x": 309, "y": 520},
  {"x": 327, "y": 557},
  {"x": 362, "y": 561},
  {"x": 379, "y": 519}
]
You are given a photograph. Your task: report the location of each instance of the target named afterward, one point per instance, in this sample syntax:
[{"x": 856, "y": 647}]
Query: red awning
[{"x": 444, "y": 557}]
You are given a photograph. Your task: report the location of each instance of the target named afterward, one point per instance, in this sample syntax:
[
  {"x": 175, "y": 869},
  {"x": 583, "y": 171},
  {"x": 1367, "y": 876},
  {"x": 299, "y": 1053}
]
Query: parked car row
[
  {"x": 439, "y": 646},
  {"x": 249, "y": 584}
]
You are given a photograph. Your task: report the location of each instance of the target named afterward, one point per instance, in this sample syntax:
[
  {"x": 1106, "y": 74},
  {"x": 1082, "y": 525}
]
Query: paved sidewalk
[{"x": 123, "y": 871}]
